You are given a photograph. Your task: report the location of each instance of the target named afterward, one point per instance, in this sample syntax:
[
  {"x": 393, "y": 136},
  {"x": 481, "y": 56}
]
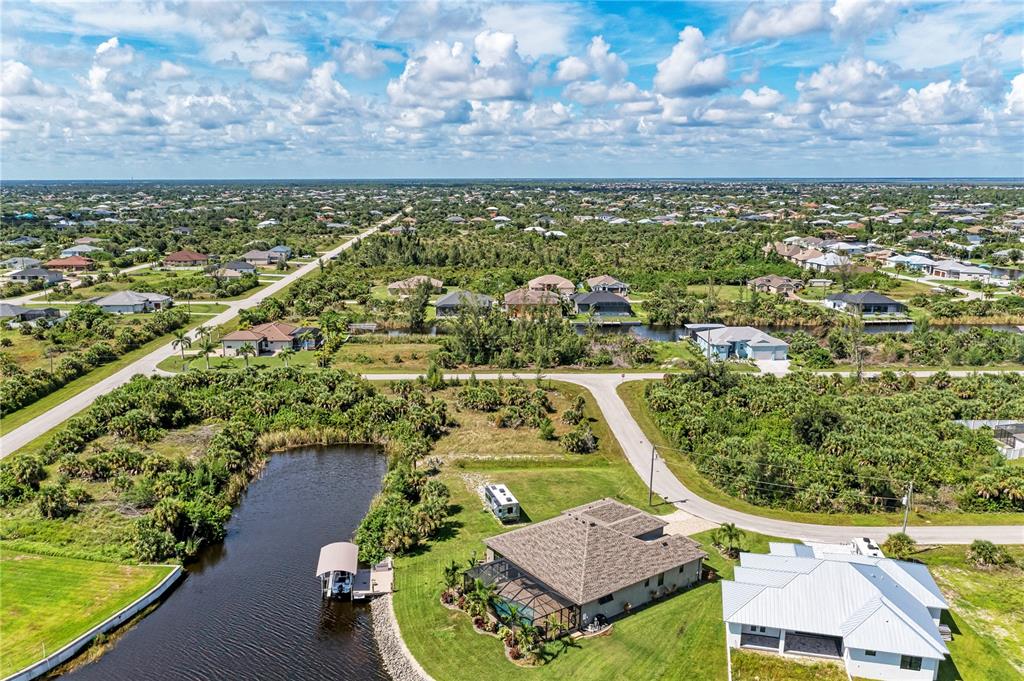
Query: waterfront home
[
  {"x": 272, "y": 337},
  {"x": 186, "y": 258},
  {"x": 449, "y": 305},
  {"x": 589, "y": 564},
  {"x": 917, "y": 263},
  {"x": 526, "y": 302},
  {"x": 20, "y": 263},
  {"x": 864, "y": 303},
  {"x": 552, "y": 282},
  {"x": 604, "y": 303},
  {"x": 37, "y": 274},
  {"x": 950, "y": 269},
  {"x": 607, "y": 283},
  {"x": 132, "y": 302},
  {"x": 691, "y": 330},
  {"x": 74, "y": 263},
  {"x": 741, "y": 342},
  {"x": 408, "y": 286},
  {"x": 879, "y": 616},
  {"x": 80, "y": 249},
  {"x": 773, "y": 283}
]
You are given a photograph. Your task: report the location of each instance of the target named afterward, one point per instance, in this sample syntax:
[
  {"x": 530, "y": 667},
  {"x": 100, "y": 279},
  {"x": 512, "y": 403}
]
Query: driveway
[{"x": 777, "y": 367}]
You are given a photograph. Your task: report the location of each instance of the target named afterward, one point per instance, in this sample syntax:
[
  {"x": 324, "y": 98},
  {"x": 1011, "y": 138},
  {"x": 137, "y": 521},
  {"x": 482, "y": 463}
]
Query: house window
[
  {"x": 611, "y": 597},
  {"x": 911, "y": 663},
  {"x": 661, "y": 579},
  {"x": 647, "y": 582},
  {"x": 763, "y": 630},
  {"x": 869, "y": 653}
]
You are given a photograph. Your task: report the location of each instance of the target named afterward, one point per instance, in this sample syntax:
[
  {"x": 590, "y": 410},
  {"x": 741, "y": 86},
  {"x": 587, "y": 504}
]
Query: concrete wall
[
  {"x": 640, "y": 593},
  {"x": 886, "y": 667},
  {"x": 71, "y": 649}
]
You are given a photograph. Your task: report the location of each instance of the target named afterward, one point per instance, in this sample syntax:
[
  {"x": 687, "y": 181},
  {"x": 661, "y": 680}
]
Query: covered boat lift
[{"x": 341, "y": 577}]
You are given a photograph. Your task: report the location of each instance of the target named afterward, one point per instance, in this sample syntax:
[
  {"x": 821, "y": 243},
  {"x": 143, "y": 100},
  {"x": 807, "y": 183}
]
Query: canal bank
[{"x": 250, "y": 607}]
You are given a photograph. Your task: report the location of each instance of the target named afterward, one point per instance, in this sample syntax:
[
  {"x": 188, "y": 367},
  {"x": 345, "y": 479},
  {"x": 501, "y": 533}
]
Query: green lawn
[
  {"x": 632, "y": 394},
  {"x": 748, "y": 665},
  {"x": 48, "y": 601}
]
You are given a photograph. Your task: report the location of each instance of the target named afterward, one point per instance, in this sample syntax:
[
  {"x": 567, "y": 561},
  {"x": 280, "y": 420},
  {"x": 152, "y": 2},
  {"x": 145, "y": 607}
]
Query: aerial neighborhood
[{"x": 674, "y": 429}]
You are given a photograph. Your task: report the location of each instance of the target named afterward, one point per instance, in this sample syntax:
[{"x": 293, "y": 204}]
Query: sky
[{"x": 429, "y": 89}]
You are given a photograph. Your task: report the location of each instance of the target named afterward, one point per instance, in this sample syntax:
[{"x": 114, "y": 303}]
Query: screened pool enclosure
[{"x": 535, "y": 602}]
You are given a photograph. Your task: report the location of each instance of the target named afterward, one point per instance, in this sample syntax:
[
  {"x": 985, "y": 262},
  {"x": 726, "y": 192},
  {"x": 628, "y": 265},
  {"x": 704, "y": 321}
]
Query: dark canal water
[{"x": 250, "y": 607}]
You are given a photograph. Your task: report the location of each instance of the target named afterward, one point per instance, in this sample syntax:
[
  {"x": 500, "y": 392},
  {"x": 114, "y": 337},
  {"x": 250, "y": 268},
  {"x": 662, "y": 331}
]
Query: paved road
[
  {"x": 36, "y": 295},
  {"x": 638, "y": 451},
  {"x": 24, "y": 434}
]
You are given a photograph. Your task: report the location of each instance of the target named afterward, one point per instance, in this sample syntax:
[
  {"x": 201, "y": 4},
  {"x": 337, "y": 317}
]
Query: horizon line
[{"x": 565, "y": 178}]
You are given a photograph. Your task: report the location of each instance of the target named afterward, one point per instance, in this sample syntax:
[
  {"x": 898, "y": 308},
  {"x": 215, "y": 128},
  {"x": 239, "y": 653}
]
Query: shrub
[
  {"x": 580, "y": 440},
  {"x": 899, "y": 546},
  {"x": 984, "y": 553}
]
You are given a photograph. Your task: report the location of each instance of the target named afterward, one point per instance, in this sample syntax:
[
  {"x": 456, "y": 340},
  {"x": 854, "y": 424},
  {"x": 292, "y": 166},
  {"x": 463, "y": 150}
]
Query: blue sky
[{"x": 803, "y": 88}]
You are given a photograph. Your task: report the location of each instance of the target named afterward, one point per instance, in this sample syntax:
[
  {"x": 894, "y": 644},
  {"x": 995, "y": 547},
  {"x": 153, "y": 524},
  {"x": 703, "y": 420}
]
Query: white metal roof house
[
  {"x": 130, "y": 302},
  {"x": 879, "y": 616},
  {"x": 743, "y": 342}
]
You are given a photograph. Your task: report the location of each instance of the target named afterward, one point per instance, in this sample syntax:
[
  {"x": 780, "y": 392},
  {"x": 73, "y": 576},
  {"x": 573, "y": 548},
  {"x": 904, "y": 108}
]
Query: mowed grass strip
[{"x": 49, "y": 601}]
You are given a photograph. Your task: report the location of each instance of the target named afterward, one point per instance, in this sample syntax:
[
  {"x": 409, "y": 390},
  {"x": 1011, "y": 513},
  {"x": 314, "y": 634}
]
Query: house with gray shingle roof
[{"x": 590, "y": 563}]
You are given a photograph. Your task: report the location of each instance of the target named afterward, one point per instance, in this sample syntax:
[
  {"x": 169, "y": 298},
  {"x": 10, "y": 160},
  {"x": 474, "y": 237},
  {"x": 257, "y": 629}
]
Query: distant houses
[
  {"x": 880, "y": 617},
  {"x": 408, "y": 286},
  {"x": 10, "y": 312},
  {"x": 450, "y": 304},
  {"x": 186, "y": 258},
  {"x": 74, "y": 263},
  {"x": 865, "y": 303},
  {"x": 607, "y": 283},
  {"x": 527, "y": 302},
  {"x": 740, "y": 342},
  {"x": 80, "y": 249},
  {"x": 603, "y": 303},
  {"x": 552, "y": 282},
  {"x": 132, "y": 302},
  {"x": 266, "y": 258},
  {"x": 235, "y": 269},
  {"x": 32, "y": 274},
  {"x": 773, "y": 283},
  {"x": 20, "y": 263}
]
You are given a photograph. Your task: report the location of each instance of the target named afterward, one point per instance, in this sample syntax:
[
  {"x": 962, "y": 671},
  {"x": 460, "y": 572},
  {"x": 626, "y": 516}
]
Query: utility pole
[
  {"x": 650, "y": 486},
  {"x": 906, "y": 505}
]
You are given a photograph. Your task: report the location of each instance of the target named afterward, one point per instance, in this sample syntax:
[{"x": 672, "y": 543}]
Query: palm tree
[
  {"x": 451, "y": 575},
  {"x": 286, "y": 354},
  {"x": 731, "y": 535},
  {"x": 204, "y": 332},
  {"x": 188, "y": 295},
  {"x": 182, "y": 342},
  {"x": 246, "y": 351},
  {"x": 207, "y": 347}
]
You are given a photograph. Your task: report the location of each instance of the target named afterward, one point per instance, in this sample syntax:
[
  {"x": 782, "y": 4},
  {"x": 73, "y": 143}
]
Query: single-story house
[
  {"x": 601, "y": 303},
  {"x": 24, "y": 241},
  {"x": 272, "y": 337},
  {"x": 283, "y": 252},
  {"x": 604, "y": 282},
  {"x": 917, "y": 263},
  {"x": 17, "y": 313},
  {"x": 526, "y": 302},
  {"x": 186, "y": 258},
  {"x": 80, "y": 249},
  {"x": 37, "y": 274},
  {"x": 879, "y": 616},
  {"x": 408, "y": 286},
  {"x": 691, "y": 330},
  {"x": 449, "y": 305},
  {"x": 74, "y": 263},
  {"x": 743, "y": 342},
  {"x": 85, "y": 240},
  {"x": 20, "y": 263},
  {"x": 592, "y": 562},
  {"x": 864, "y": 303},
  {"x": 826, "y": 263},
  {"x": 239, "y": 266},
  {"x": 950, "y": 269},
  {"x": 130, "y": 302},
  {"x": 773, "y": 283},
  {"x": 263, "y": 258},
  {"x": 552, "y": 282}
]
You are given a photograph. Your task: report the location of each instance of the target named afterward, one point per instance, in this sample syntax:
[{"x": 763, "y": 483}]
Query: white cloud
[
  {"x": 852, "y": 80},
  {"x": 570, "y": 69},
  {"x": 540, "y": 29},
  {"x": 780, "y": 21},
  {"x": 280, "y": 68},
  {"x": 765, "y": 98},
  {"x": 364, "y": 60},
  {"x": 863, "y": 17},
  {"x": 16, "y": 79},
  {"x": 170, "y": 71},
  {"x": 606, "y": 64},
  {"x": 112, "y": 54},
  {"x": 323, "y": 99},
  {"x": 940, "y": 103},
  {"x": 687, "y": 71},
  {"x": 594, "y": 92},
  {"x": 1015, "y": 97}
]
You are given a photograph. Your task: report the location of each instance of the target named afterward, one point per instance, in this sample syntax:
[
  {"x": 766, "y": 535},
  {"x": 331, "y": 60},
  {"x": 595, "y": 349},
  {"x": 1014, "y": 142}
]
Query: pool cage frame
[{"x": 515, "y": 585}]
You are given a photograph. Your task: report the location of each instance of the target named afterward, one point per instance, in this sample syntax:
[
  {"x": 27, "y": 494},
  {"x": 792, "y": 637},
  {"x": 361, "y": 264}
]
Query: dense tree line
[
  {"x": 827, "y": 444},
  {"x": 183, "y": 502},
  {"x": 85, "y": 325},
  {"x": 950, "y": 307}
]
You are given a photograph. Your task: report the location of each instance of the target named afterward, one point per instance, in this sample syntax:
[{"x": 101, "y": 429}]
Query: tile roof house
[
  {"x": 74, "y": 263},
  {"x": 525, "y": 302},
  {"x": 742, "y": 342},
  {"x": 131, "y": 302},
  {"x": 186, "y": 258},
  {"x": 598, "y": 559},
  {"x": 604, "y": 282},
  {"x": 773, "y": 283},
  {"x": 408, "y": 286},
  {"x": 879, "y": 616},
  {"x": 552, "y": 282},
  {"x": 272, "y": 337}
]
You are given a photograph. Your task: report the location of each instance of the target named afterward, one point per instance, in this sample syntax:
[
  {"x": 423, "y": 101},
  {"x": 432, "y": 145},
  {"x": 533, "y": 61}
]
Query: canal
[{"x": 250, "y": 607}]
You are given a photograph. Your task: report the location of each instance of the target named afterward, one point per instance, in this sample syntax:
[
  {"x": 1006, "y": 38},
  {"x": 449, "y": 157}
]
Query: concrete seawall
[{"x": 71, "y": 649}]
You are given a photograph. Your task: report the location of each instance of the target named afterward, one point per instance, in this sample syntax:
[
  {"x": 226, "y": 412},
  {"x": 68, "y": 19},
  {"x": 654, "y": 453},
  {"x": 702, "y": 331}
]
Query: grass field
[
  {"x": 749, "y": 665},
  {"x": 48, "y": 601},
  {"x": 632, "y": 394}
]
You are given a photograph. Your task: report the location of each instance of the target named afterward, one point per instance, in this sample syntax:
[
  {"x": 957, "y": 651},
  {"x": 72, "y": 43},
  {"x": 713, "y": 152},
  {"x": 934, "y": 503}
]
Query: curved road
[
  {"x": 638, "y": 451},
  {"x": 24, "y": 434}
]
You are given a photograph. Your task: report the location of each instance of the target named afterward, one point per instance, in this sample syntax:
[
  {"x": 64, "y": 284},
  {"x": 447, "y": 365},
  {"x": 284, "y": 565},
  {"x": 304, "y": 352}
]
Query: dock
[{"x": 373, "y": 581}]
